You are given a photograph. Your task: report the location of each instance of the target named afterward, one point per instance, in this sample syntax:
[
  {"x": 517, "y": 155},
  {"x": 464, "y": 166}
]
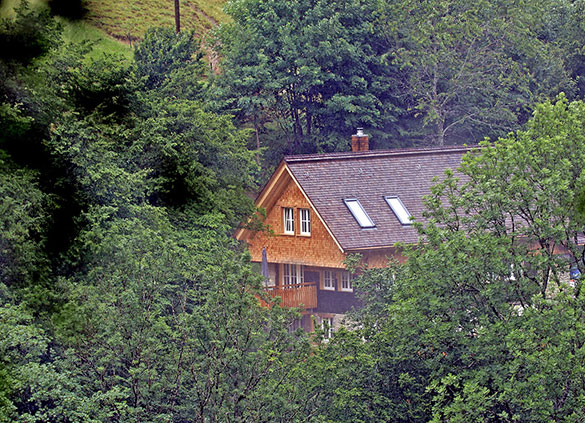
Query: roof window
[
  {"x": 399, "y": 210},
  {"x": 359, "y": 213}
]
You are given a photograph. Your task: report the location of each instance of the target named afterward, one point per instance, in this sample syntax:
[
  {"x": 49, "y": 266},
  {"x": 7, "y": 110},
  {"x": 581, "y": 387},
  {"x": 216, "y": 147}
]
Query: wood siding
[
  {"x": 300, "y": 295},
  {"x": 318, "y": 249},
  {"x": 381, "y": 257}
]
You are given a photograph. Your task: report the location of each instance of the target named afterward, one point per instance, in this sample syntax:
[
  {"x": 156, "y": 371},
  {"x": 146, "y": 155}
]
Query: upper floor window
[
  {"x": 329, "y": 280},
  {"x": 305, "y": 218},
  {"x": 359, "y": 213},
  {"x": 346, "y": 284},
  {"x": 293, "y": 274},
  {"x": 289, "y": 220}
]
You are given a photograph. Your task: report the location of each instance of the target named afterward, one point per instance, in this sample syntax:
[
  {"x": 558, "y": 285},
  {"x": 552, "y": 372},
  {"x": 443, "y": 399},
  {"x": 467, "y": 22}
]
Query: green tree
[
  {"x": 25, "y": 216},
  {"x": 36, "y": 383},
  {"x": 170, "y": 63},
  {"x": 28, "y": 35},
  {"x": 471, "y": 70},
  {"x": 312, "y": 67},
  {"x": 161, "y": 315},
  {"x": 482, "y": 323}
]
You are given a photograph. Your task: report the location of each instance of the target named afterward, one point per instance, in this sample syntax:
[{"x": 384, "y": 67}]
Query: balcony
[{"x": 302, "y": 295}]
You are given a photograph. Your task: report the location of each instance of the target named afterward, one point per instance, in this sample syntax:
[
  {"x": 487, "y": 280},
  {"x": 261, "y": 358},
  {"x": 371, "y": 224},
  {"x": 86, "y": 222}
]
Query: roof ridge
[{"x": 378, "y": 153}]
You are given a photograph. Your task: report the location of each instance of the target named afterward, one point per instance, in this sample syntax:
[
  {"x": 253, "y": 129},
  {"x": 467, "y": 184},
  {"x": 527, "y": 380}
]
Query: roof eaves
[
  {"x": 379, "y": 153},
  {"x": 264, "y": 193}
]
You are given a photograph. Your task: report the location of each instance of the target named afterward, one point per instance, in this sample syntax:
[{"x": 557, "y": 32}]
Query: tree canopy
[
  {"x": 483, "y": 322},
  {"x": 124, "y": 298},
  {"x": 411, "y": 73}
]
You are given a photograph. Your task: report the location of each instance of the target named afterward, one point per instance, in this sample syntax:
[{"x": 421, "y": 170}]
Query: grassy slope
[
  {"x": 76, "y": 31},
  {"x": 127, "y": 20},
  {"x": 113, "y": 25}
]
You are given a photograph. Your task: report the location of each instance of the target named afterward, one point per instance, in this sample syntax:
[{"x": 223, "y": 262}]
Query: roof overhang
[{"x": 270, "y": 192}]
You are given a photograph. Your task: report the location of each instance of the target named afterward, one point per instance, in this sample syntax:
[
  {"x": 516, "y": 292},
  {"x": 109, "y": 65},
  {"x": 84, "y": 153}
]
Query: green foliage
[
  {"x": 170, "y": 62},
  {"x": 198, "y": 159},
  {"x": 481, "y": 323},
  {"x": 168, "y": 321},
  {"x": 14, "y": 124},
  {"x": 442, "y": 72},
  {"x": 29, "y": 35},
  {"x": 24, "y": 218},
  {"x": 124, "y": 298},
  {"x": 160, "y": 313},
  {"x": 103, "y": 85},
  {"x": 156, "y": 317},
  {"x": 469, "y": 70},
  {"x": 35, "y": 386},
  {"x": 312, "y": 67}
]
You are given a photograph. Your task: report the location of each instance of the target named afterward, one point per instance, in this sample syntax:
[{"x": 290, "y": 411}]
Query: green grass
[
  {"x": 7, "y": 6},
  {"x": 76, "y": 31},
  {"x": 115, "y": 25},
  {"x": 102, "y": 43},
  {"x": 128, "y": 20}
]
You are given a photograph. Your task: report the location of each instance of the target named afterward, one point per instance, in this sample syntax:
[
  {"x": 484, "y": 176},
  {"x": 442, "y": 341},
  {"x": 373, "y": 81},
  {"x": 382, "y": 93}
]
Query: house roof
[{"x": 370, "y": 176}]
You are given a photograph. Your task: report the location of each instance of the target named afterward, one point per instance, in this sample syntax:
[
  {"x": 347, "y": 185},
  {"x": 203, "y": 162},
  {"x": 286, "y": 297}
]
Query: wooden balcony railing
[{"x": 303, "y": 295}]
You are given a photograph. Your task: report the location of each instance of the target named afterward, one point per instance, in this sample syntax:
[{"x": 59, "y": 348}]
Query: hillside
[
  {"x": 114, "y": 25},
  {"x": 127, "y": 20}
]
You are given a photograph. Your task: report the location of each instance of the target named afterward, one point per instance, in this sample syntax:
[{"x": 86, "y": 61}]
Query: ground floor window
[{"x": 327, "y": 327}]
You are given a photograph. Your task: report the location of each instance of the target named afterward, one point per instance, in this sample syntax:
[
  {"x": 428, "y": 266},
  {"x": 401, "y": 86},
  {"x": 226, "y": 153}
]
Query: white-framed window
[
  {"x": 359, "y": 213},
  {"x": 399, "y": 209},
  {"x": 305, "y": 219},
  {"x": 327, "y": 327},
  {"x": 288, "y": 214},
  {"x": 293, "y": 274},
  {"x": 346, "y": 284},
  {"x": 329, "y": 280}
]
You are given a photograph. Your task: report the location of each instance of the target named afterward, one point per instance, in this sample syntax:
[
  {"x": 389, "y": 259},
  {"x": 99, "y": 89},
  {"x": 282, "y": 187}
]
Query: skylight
[
  {"x": 399, "y": 210},
  {"x": 359, "y": 213}
]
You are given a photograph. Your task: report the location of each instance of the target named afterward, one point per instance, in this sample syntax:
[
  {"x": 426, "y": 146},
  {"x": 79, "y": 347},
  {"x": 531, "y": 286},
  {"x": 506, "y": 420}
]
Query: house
[{"x": 323, "y": 207}]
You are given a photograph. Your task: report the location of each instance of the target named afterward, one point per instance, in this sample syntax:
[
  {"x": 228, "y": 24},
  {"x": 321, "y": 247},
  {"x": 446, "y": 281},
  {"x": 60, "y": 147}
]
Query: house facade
[{"x": 320, "y": 208}]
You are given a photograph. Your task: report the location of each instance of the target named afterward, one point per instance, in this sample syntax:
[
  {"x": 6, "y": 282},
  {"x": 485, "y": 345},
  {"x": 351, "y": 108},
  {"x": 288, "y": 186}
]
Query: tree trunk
[
  {"x": 297, "y": 127},
  {"x": 440, "y": 125},
  {"x": 440, "y": 136},
  {"x": 177, "y": 17},
  {"x": 257, "y": 140}
]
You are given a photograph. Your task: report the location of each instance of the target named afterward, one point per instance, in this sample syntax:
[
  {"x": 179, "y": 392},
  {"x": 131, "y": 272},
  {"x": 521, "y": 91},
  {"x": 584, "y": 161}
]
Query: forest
[{"x": 125, "y": 298}]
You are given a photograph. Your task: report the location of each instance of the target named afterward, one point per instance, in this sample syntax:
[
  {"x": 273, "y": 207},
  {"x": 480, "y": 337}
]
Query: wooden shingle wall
[
  {"x": 319, "y": 249},
  {"x": 381, "y": 257}
]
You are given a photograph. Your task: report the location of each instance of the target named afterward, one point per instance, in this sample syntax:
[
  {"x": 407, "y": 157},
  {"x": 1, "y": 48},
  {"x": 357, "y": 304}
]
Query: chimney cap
[{"x": 360, "y": 133}]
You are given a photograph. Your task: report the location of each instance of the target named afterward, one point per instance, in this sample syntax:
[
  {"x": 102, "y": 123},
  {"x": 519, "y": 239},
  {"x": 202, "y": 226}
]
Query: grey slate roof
[{"x": 328, "y": 179}]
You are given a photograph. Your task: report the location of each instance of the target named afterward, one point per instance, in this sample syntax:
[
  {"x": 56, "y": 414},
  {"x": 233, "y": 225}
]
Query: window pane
[
  {"x": 359, "y": 214},
  {"x": 328, "y": 282},
  {"x": 346, "y": 282},
  {"x": 289, "y": 220},
  {"x": 327, "y": 327},
  {"x": 305, "y": 221},
  {"x": 399, "y": 210}
]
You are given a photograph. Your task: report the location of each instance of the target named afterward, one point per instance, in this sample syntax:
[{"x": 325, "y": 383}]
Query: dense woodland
[{"x": 124, "y": 297}]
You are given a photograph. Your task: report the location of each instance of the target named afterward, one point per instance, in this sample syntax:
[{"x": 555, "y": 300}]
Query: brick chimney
[{"x": 360, "y": 141}]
